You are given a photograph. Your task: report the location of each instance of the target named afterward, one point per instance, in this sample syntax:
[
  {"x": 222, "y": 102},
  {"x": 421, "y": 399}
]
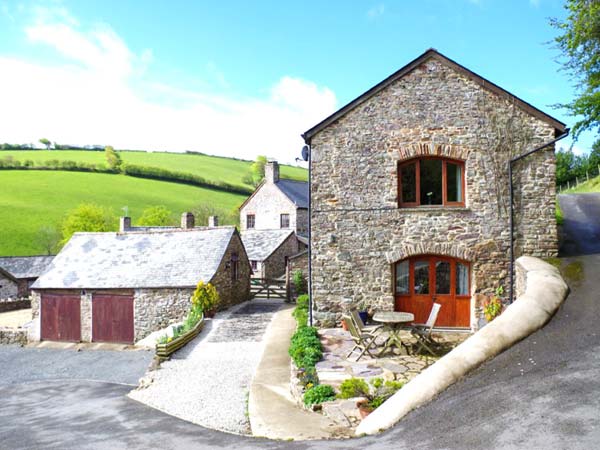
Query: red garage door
[
  {"x": 112, "y": 318},
  {"x": 60, "y": 317}
]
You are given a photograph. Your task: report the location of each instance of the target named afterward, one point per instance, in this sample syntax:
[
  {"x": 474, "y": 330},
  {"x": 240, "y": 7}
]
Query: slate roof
[
  {"x": 137, "y": 259},
  {"x": 25, "y": 266},
  {"x": 260, "y": 244},
  {"x": 296, "y": 191}
]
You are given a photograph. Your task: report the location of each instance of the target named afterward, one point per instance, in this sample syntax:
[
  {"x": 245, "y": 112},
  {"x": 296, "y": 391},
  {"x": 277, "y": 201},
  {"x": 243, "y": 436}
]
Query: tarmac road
[{"x": 543, "y": 393}]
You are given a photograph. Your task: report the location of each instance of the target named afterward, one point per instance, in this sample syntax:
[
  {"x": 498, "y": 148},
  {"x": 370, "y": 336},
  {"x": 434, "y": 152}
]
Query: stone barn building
[
  {"x": 410, "y": 194},
  {"x": 269, "y": 250},
  {"x": 119, "y": 287},
  {"x": 18, "y": 273}
]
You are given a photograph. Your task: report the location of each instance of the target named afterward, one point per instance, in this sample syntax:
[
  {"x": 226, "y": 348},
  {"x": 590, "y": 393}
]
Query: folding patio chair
[
  {"x": 363, "y": 340},
  {"x": 361, "y": 325},
  {"x": 422, "y": 331}
]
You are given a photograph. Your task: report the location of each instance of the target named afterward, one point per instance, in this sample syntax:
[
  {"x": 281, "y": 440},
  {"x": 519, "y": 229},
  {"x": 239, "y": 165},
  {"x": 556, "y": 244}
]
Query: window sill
[{"x": 436, "y": 209}]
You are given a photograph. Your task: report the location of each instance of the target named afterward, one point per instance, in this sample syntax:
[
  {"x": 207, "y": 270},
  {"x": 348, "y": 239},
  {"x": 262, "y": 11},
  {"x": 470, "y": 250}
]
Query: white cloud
[
  {"x": 535, "y": 3},
  {"x": 579, "y": 151},
  {"x": 101, "y": 93},
  {"x": 376, "y": 11}
]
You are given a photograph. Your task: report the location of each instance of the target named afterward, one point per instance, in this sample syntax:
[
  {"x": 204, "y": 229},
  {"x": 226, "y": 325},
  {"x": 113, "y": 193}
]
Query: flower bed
[{"x": 168, "y": 346}]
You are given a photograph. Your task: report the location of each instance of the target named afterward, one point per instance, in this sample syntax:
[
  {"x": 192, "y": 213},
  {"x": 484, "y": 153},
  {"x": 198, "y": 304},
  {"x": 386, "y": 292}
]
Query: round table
[{"x": 392, "y": 323}]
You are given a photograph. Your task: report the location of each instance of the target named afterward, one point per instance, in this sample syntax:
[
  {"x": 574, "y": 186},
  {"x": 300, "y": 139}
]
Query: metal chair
[
  {"x": 363, "y": 340},
  {"x": 422, "y": 331}
]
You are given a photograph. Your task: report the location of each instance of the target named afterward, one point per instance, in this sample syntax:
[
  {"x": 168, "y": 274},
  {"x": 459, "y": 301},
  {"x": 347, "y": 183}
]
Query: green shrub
[
  {"x": 301, "y": 311},
  {"x": 305, "y": 348},
  {"x": 377, "y": 393},
  {"x": 318, "y": 394},
  {"x": 354, "y": 387},
  {"x": 205, "y": 297},
  {"x": 299, "y": 282}
]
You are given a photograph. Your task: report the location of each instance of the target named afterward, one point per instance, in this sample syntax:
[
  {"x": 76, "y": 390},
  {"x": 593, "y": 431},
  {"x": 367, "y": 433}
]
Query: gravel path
[{"x": 207, "y": 381}]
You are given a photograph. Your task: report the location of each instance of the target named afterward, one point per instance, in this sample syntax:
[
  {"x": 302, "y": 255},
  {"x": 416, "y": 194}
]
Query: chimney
[
  {"x": 272, "y": 172},
  {"x": 187, "y": 221},
  {"x": 124, "y": 224},
  {"x": 213, "y": 221}
]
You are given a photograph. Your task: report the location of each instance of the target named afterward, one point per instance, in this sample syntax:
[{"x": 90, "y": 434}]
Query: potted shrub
[
  {"x": 363, "y": 312},
  {"x": 373, "y": 394},
  {"x": 206, "y": 298}
]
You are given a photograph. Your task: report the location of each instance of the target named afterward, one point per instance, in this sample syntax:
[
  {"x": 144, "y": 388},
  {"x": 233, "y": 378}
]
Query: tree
[
  {"x": 156, "y": 216},
  {"x": 258, "y": 169},
  {"x": 579, "y": 44},
  {"x": 48, "y": 238},
  {"x": 112, "y": 158},
  {"x": 565, "y": 166},
  {"x": 594, "y": 156},
  {"x": 46, "y": 142},
  {"x": 87, "y": 217}
]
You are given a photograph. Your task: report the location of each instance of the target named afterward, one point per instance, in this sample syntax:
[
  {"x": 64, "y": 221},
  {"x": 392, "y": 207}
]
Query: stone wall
[
  {"x": 14, "y": 304},
  {"x": 358, "y": 231},
  {"x": 154, "y": 309},
  {"x": 8, "y": 288},
  {"x": 274, "y": 266},
  {"x": 13, "y": 336},
  {"x": 302, "y": 221},
  {"x": 233, "y": 291},
  {"x": 297, "y": 262}
]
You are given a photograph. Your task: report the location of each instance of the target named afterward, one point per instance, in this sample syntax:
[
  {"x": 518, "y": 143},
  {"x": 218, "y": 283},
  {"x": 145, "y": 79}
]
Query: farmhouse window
[
  {"x": 431, "y": 182},
  {"x": 254, "y": 264},
  {"x": 250, "y": 220},
  {"x": 284, "y": 221}
]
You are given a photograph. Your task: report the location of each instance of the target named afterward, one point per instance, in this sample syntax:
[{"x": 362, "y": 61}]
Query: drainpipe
[
  {"x": 510, "y": 194},
  {"x": 310, "y": 296}
]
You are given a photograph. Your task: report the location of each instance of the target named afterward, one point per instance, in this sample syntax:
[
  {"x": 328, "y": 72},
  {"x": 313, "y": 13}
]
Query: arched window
[{"x": 431, "y": 181}]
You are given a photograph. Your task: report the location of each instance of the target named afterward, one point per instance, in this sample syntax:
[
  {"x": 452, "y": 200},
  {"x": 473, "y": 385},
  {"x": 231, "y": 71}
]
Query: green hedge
[{"x": 158, "y": 173}]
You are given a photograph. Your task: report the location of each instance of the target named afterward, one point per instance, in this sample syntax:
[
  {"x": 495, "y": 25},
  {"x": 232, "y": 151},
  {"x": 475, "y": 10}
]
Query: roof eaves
[{"x": 307, "y": 135}]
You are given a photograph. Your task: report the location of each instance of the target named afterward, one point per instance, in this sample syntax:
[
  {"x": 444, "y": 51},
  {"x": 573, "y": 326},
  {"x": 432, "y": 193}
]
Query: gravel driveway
[
  {"x": 207, "y": 382},
  {"x": 23, "y": 365}
]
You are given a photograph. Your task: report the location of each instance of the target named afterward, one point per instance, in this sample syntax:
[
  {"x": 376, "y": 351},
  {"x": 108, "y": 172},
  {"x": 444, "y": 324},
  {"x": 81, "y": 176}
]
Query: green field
[
  {"x": 212, "y": 168},
  {"x": 30, "y": 199}
]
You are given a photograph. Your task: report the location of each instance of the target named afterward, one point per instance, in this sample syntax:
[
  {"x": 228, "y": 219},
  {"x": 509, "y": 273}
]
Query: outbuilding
[{"x": 119, "y": 287}]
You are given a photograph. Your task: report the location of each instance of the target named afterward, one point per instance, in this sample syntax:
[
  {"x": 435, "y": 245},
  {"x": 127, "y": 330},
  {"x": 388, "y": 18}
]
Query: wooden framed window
[
  {"x": 250, "y": 221},
  {"x": 284, "y": 221},
  {"x": 254, "y": 265},
  {"x": 431, "y": 182}
]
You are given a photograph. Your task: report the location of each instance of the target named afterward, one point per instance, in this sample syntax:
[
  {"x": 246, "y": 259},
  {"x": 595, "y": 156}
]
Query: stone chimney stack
[
  {"x": 213, "y": 221},
  {"x": 124, "y": 224},
  {"x": 272, "y": 172},
  {"x": 187, "y": 221}
]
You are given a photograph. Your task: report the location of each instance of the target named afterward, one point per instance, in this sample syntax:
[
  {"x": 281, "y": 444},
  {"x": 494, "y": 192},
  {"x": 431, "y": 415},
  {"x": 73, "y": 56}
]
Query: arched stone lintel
[
  {"x": 409, "y": 151},
  {"x": 429, "y": 248}
]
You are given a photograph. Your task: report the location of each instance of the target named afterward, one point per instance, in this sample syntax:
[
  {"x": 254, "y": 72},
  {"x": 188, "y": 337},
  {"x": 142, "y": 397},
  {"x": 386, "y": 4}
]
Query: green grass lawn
[
  {"x": 30, "y": 199},
  {"x": 210, "y": 167},
  {"x": 589, "y": 186}
]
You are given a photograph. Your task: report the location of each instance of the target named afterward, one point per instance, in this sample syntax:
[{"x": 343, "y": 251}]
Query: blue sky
[{"x": 244, "y": 78}]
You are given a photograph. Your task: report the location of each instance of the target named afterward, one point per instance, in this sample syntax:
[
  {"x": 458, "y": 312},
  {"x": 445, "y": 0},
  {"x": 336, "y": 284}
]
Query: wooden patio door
[{"x": 424, "y": 280}]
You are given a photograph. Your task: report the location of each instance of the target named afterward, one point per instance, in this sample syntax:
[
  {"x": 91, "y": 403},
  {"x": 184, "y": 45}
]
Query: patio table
[{"x": 393, "y": 322}]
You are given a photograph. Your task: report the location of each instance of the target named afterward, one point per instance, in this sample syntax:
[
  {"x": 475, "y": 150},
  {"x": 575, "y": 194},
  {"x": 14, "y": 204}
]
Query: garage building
[{"x": 119, "y": 287}]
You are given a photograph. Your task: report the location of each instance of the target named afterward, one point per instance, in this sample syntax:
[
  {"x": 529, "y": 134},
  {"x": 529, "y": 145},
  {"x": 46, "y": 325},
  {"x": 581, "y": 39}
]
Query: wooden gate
[
  {"x": 112, "y": 318},
  {"x": 60, "y": 317},
  {"x": 268, "y": 288}
]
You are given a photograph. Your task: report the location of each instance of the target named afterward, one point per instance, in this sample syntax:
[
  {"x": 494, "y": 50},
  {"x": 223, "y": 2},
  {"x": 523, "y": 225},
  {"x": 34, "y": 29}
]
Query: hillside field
[
  {"x": 212, "y": 168},
  {"x": 30, "y": 199}
]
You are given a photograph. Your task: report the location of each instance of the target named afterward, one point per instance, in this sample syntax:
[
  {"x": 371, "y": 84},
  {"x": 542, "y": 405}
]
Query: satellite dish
[{"x": 305, "y": 153}]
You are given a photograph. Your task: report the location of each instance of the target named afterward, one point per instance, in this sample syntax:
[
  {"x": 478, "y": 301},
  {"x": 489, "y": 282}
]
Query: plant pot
[
  {"x": 364, "y": 316},
  {"x": 210, "y": 313},
  {"x": 364, "y": 408},
  {"x": 344, "y": 326}
]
